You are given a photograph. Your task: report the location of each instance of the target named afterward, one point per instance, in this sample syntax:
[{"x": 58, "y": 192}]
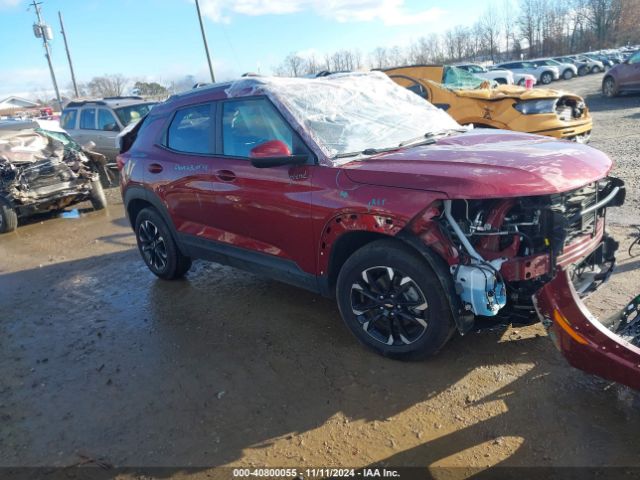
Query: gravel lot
[{"x": 101, "y": 362}]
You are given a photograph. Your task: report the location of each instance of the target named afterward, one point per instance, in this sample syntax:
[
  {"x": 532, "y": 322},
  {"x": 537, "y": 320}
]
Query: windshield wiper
[
  {"x": 430, "y": 137},
  {"x": 426, "y": 139},
  {"x": 366, "y": 151}
]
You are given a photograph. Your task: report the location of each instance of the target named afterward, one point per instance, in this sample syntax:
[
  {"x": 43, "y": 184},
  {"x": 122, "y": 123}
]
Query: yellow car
[{"x": 472, "y": 100}]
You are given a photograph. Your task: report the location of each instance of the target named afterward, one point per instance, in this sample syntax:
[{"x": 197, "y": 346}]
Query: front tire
[
  {"x": 609, "y": 88},
  {"x": 8, "y": 217},
  {"x": 546, "y": 78},
  {"x": 582, "y": 71},
  {"x": 568, "y": 74},
  {"x": 392, "y": 301},
  {"x": 596, "y": 69},
  {"x": 157, "y": 246}
]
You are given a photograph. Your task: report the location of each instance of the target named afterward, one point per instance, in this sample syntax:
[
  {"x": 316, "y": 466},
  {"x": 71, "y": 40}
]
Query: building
[{"x": 12, "y": 104}]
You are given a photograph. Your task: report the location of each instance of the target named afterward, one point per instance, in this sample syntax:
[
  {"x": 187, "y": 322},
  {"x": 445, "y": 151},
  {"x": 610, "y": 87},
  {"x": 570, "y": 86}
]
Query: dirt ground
[{"x": 101, "y": 360}]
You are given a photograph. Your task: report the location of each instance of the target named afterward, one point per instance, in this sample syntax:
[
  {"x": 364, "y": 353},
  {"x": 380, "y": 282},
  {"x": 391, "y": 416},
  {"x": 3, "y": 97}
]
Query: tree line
[{"x": 505, "y": 31}]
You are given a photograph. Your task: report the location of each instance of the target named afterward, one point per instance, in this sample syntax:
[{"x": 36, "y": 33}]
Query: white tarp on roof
[{"x": 349, "y": 112}]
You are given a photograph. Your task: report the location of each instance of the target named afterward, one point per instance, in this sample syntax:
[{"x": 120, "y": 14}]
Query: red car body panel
[
  {"x": 582, "y": 339},
  {"x": 480, "y": 165}
]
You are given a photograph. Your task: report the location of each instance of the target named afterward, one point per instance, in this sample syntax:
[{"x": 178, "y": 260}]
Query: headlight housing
[{"x": 530, "y": 107}]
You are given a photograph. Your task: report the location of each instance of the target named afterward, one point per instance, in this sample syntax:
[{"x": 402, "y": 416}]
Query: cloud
[
  {"x": 389, "y": 12},
  {"x": 9, "y": 3}
]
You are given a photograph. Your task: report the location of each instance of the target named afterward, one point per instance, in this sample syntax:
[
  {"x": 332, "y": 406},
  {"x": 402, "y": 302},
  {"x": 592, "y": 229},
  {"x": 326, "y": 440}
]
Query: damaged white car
[{"x": 44, "y": 170}]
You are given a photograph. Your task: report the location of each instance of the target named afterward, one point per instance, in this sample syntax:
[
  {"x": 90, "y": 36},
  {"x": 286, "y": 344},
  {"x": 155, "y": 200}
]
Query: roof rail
[{"x": 124, "y": 97}]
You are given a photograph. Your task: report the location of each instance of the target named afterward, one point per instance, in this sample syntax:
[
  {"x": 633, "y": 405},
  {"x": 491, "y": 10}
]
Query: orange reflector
[{"x": 564, "y": 324}]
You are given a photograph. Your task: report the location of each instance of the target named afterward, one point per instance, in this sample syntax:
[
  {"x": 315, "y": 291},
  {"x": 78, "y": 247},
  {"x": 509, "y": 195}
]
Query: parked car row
[{"x": 547, "y": 70}]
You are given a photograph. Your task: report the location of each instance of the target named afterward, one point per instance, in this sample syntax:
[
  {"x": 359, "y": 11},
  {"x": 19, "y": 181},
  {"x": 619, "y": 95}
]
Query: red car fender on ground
[{"x": 584, "y": 341}]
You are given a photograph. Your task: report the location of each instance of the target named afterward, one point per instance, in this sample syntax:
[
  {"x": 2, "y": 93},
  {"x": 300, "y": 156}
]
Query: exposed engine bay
[
  {"x": 42, "y": 170},
  {"x": 509, "y": 248}
]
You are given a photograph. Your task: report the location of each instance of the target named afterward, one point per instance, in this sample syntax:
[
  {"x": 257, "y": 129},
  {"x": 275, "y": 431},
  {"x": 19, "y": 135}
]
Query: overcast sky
[{"x": 160, "y": 39}]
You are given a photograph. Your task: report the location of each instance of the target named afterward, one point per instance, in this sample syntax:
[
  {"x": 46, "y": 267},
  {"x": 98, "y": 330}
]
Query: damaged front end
[
  {"x": 518, "y": 243},
  {"x": 43, "y": 170},
  {"x": 544, "y": 254},
  {"x": 609, "y": 348}
]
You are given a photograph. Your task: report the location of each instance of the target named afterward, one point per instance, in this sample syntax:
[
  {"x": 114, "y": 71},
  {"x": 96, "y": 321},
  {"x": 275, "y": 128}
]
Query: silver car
[
  {"x": 100, "y": 121},
  {"x": 544, "y": 74},
  {"x": 567, "y": 70}
]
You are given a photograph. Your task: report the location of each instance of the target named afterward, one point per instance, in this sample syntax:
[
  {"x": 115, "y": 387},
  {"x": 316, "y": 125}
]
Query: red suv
[{"x": 354, "y": 187}]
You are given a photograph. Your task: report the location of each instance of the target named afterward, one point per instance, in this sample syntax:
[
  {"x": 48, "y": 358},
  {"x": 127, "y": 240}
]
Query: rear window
[
  {"x": 88, "y": 119},
  {"x": 133, "y": 113},
  {"x": 191, "y": 130},
  {"x": 68, "y": 119}
]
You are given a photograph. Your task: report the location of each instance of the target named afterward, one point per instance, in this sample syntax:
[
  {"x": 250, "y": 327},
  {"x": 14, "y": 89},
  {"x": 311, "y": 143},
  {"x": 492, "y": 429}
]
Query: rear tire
[
  {"x": 582, "y": 71},
  {"x": 98, "y": 198},
  {"x": 8, "y": 217},
  {"x": 157, "y": 246},
  {"x": 392, "y": 301},
  {"x": 567, "y": 74},
  {"x": 609, "y": 88}
]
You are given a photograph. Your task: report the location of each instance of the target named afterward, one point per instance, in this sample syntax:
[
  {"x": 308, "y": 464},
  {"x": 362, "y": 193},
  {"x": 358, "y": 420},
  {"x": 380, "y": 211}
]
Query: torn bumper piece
[{"x": 606, "y": 348}]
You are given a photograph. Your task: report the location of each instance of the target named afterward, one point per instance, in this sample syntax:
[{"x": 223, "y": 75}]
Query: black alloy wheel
[
  {"x": 390, "y": 306},
  {"x": 152, "y": 245},
  {"x": 158, "y": 247},
  {"x": 393, "y": 302}
]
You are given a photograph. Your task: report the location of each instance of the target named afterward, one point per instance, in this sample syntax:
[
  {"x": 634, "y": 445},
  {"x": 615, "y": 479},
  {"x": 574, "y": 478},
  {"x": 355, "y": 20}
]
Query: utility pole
[
  {"x": 66, "y": 46},
  {"x": 42, "y": 30},
  {"x": 204, "y": 39}
]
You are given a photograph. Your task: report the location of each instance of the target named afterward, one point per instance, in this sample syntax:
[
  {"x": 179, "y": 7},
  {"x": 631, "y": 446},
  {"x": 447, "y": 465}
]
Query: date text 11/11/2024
[{"x": 315, "y": 472}]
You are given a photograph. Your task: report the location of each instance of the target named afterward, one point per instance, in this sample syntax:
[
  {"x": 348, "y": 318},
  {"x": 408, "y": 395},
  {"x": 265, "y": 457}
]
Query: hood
[
  {"x": 510, "y": 91},
  {"x": 486, "y": 164}
]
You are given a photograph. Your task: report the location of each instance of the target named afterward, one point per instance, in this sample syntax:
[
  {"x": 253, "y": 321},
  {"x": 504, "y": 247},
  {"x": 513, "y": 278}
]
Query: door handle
[
  {"x": 154, "y": 168},
  {"x": 226, "y": 175}
]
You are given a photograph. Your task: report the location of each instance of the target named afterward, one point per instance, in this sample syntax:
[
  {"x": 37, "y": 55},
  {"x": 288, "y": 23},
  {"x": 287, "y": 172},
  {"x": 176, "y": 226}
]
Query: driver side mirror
[{"x": 274, "y": 153}]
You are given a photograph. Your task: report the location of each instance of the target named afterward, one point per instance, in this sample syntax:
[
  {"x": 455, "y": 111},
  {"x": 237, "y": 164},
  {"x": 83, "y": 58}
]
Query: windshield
[
  {"x": 348, "y": 113},
  {"x": 133, "y": 113},
  {"x": 457, "y": 78}
]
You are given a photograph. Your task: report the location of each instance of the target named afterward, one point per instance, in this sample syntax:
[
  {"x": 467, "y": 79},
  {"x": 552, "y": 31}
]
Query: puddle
[{"x": 75, "y": 213}]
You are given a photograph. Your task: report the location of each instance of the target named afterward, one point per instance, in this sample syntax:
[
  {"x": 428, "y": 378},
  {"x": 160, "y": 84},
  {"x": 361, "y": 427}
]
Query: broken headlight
[{"x": 530, "y": 107}]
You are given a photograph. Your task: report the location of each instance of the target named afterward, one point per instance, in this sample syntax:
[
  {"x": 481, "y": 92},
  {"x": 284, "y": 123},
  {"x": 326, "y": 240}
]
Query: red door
[{"x": 266, "y": 210}]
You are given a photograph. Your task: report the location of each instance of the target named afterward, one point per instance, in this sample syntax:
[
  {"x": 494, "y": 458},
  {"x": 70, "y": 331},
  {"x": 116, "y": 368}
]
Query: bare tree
[
  {"x": 490, "y": 24},
  {"x": 379, "y": 57},
  {"x": 508, "y": 24},
  {"x": 108, "y": 86},
  {"x": 293, "y": 65}
]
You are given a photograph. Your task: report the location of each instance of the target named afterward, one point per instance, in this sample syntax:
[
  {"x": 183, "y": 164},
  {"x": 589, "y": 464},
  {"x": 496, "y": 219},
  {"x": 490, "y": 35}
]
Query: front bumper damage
[{"x": 609, "y": 348}]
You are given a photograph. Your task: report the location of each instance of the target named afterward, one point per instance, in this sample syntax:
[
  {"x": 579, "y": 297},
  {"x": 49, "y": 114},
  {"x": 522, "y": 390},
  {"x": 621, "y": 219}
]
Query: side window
[
  {"x": 635, "y": 58},
  {"x": 88, "y": 119},
  {"x": 248, "y": 123},
  {"x": 191, "y": 130},
  {"x": 68, "y": 119},
  {"x": 106, "y": 121}
]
